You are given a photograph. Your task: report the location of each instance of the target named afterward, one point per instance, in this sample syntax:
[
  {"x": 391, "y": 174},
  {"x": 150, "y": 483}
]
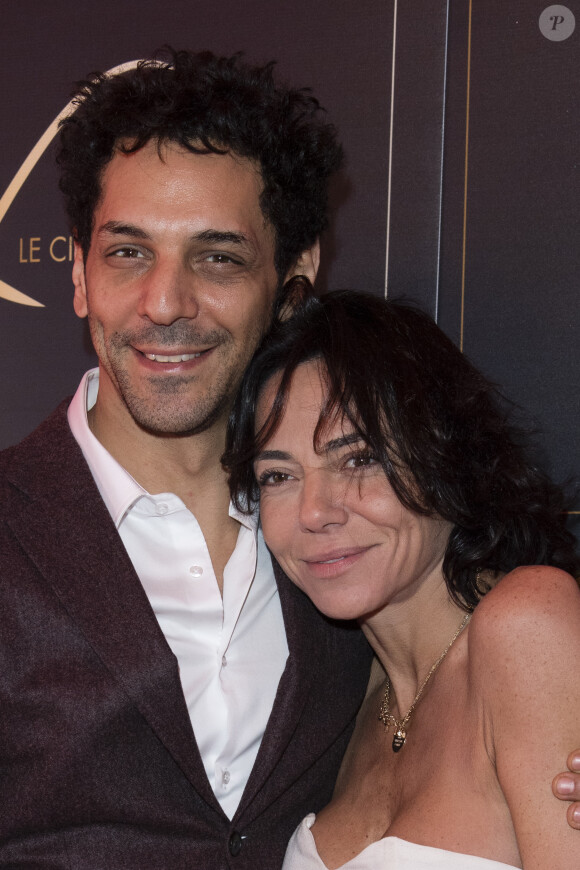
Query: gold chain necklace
[{"x": 385, "y": 715}]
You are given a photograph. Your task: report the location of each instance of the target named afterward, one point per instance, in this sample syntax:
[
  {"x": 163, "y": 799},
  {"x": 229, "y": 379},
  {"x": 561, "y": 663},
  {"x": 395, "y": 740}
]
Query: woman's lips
[{"x": 331, "y": 564}]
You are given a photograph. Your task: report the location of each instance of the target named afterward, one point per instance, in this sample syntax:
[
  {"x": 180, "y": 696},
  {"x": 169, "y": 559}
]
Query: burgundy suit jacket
[{"x": 99, "y": 767}]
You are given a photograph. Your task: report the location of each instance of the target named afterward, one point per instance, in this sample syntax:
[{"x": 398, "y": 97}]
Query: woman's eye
[
  {"x": 363, "y": 459},
  {"x": 273, "y": 478}
]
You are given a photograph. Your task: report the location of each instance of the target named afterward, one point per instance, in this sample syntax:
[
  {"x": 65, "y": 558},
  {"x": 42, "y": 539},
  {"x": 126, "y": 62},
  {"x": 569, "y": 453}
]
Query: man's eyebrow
[
  {"x": 217, "y": 237},
  {"x": 214, "y": 237},
  {"x": 116, "y": 228}
]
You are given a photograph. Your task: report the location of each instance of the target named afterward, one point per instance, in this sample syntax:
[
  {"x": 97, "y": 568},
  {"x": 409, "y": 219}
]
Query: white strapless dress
[{"x": 390, "y": 853}]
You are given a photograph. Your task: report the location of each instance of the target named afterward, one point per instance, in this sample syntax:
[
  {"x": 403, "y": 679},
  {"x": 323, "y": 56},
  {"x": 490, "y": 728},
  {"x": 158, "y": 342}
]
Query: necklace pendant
[{"x": 399, "y": 738}]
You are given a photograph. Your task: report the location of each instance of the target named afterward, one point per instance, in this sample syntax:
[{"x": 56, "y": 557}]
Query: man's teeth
[
  {"x": 332, "y": 561},
  {"x": 182, "y": 357}
]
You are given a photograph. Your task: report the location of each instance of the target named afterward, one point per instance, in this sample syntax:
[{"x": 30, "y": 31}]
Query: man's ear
[
  {"x": 307, "y": 263},
  {"x": 78, "y": 276}
]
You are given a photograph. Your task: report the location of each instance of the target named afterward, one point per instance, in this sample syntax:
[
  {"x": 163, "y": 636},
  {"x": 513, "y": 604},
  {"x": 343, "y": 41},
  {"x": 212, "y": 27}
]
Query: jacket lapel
[
  {"x": 305, "y": 642},
  {"x": 318, "y": 696},
  {"x": 68, "y": 534}
]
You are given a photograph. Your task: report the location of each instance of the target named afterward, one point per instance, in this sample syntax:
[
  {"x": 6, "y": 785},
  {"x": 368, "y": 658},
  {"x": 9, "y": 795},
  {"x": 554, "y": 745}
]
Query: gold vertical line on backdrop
[
  {"x": 465, "y": 178},
  {"x": 390, "y": 173},
  {"x": 442, "y": 160}
]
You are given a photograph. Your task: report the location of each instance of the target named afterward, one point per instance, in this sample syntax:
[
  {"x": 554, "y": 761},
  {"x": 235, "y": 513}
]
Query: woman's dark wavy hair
[
  {"x": 206, "y": 104},
  {"x": 440, "y": 430}
]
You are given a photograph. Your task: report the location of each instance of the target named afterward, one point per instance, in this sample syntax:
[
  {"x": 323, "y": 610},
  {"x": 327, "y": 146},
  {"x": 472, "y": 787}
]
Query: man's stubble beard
[
  {"x": 162, "y": 412},
  {"x": 172, "y": 406}
]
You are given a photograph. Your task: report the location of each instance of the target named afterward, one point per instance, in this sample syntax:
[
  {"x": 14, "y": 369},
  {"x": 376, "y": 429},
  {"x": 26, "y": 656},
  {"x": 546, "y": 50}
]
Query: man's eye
[
  {"x": 222, "y": 258},
  {"x": 126, "y": 253},
  {"x": 273, "y": 478}
]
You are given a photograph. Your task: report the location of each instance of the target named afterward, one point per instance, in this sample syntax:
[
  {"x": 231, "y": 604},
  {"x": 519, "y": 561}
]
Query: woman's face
[{"x": 331, "y": 517}]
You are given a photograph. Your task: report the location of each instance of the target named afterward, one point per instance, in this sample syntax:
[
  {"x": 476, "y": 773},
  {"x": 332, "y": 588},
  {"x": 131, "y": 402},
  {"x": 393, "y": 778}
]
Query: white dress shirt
[{"x": 232, "y": 650}]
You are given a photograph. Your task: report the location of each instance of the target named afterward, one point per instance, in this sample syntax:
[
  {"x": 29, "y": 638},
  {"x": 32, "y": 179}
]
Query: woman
[{"x": 394, "y": 491}]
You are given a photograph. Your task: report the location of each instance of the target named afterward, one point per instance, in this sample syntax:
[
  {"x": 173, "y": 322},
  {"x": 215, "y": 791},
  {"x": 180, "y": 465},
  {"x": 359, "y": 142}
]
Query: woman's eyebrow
[
  {"x": 343, "y": 441},
  {"x": 329, "y": 447},
  {"x": 272, "y": 454}
]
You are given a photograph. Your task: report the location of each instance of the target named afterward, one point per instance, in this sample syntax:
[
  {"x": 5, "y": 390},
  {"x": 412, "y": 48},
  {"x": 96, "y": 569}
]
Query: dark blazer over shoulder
[{"x": 99, "y": 767}]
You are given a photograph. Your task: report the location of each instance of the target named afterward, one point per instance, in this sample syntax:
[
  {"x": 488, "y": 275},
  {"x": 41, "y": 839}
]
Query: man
[
  {"x": 140, "y": 609},
  {"x": 166, "y": 701}
]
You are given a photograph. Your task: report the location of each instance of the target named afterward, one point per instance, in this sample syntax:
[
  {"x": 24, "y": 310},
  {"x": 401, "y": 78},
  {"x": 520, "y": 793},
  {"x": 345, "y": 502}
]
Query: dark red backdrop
[{"x": 485, "y": 236}]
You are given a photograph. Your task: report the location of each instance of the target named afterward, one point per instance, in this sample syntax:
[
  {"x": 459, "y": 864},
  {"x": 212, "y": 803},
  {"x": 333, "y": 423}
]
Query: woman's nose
[{"x": 322, "y": 502}]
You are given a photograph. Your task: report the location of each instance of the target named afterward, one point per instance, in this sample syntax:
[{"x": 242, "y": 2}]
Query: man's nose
[
  {"x": 322, "y": 502},
  {"x": 168, "y": 293}
]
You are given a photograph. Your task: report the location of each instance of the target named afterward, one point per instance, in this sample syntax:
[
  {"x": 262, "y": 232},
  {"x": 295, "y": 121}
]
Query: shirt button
[
  {"x": 224, "y": 661},
  {"x": 235, "y": 844},
  {"x": 226, "y": 777},
  {"x": 196, "y": 570},
  {"x": 162, "y": 509}
]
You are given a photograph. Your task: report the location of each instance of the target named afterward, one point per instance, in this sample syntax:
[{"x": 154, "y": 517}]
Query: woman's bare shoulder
[
  {"x": 524, "y": 650},
  {"x": 532, "y": 608}
]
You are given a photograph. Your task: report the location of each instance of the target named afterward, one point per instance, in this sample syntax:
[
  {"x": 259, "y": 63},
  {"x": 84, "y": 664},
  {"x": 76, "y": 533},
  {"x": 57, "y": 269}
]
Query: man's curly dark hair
[
  {"x": 205, "y": 104},
  {"x": 441, "y": 431}
]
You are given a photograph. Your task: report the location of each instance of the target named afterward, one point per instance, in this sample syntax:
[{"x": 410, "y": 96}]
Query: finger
[
  {"x": 573, "y": 761},
  {"x": 573, "y": 815},
  {"x": 566, "y": 786}
]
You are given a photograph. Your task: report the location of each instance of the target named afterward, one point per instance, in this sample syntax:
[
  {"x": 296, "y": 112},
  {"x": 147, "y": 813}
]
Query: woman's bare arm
[{"x": 523, "y": 637}]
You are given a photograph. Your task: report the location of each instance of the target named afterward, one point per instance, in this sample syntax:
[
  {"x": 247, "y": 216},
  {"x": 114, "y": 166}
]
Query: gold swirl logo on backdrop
[{"x": 6, "y": 291}]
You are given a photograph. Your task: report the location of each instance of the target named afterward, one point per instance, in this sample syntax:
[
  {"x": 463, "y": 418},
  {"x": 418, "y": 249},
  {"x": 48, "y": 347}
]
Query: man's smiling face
[{"x": 178, "y": 285}]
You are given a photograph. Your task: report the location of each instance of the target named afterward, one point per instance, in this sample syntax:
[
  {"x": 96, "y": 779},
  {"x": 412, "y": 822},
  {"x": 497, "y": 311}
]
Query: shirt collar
[{"x": 118, "y": 489}]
